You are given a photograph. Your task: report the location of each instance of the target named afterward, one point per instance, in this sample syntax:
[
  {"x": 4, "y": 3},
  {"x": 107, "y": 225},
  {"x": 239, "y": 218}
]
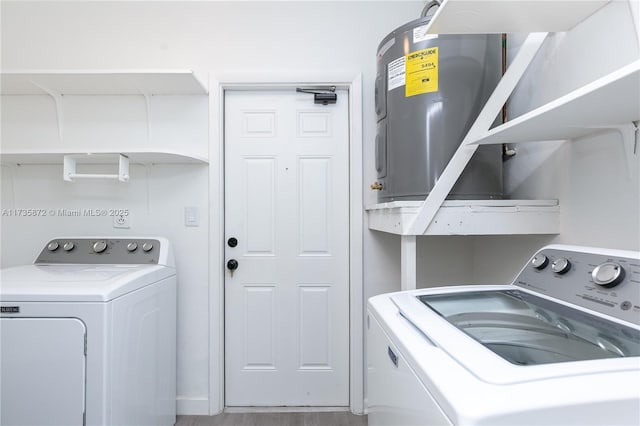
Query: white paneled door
[{"x": 287, "y": 227}]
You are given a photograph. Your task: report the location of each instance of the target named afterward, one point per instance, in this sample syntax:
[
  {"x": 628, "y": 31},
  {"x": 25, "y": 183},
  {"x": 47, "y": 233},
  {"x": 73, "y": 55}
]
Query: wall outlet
[{"x": 122, "y": 221}]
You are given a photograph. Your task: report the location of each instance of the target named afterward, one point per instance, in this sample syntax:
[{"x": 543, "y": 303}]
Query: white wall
[
  {"x": 225, "y": 40},
  {"x": 156, "y": 197},
  {"x": 596, "y": 178}
]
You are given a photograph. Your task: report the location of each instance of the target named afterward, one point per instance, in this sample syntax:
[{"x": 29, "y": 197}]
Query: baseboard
[
  {"x": 192, "y": 406},
  {"x": 283, "y": 409}
]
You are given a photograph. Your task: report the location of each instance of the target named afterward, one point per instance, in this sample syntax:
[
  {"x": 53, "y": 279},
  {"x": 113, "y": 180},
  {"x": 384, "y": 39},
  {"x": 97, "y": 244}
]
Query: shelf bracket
[
  {"x": 147, "y": 100},
  {"x": 479, "y": 128},
  {"x": 630, "y": 134},
  {"x": 69, "y": 170},
  {"x": 57, "y": 99}
]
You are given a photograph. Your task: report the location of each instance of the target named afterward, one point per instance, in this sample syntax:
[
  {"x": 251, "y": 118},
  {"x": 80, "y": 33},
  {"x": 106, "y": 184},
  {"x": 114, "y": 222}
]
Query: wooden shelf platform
[
  {"x": 137, "y": 157},
  {"x": 511, "y": 16},
  {"x": 101, "y": 82},
  {"x": 608, "y": 102},
  {"x": 470, "y": 217}
]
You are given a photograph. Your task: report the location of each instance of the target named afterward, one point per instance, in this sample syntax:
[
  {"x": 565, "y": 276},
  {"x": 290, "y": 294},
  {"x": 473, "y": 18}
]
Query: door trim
[{"x": 217, "y": 87}]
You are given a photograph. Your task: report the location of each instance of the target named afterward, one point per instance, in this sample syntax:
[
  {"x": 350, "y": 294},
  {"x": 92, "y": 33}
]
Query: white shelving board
[
  {"x": 56, "y": 157},
  {"x": 470, "y": 217},
  {"x": 101, "y": 82},
  {"x": 511, "y": 16},
  {"x": 608, "y": 102},
  {"x": 58, "y": 83}
]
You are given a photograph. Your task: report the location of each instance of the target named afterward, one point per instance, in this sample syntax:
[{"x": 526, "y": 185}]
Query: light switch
[{"x": 191, "y": 216}]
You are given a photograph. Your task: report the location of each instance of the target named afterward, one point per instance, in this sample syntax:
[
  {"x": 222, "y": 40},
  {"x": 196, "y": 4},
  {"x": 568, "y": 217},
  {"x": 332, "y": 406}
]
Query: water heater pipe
[
  {"x": 506, "y": 151},
  {"x": 429, "y": 5}
]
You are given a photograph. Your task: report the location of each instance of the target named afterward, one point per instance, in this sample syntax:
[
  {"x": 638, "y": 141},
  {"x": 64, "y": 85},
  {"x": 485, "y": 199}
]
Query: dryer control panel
[
  {"x": 604, "y": 281},
  {"x": 101, "y": 251}
]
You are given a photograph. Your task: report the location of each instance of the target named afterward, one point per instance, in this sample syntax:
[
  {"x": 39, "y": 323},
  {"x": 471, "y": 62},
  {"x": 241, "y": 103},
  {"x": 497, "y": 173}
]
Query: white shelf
[
  {"x": 510, "y": 16},
  {"x": 137, "y": 157},
  {"x": 609, "y": 102},
  {"x": 101, "y": 82},
  {"x": 471, "y": 217}
]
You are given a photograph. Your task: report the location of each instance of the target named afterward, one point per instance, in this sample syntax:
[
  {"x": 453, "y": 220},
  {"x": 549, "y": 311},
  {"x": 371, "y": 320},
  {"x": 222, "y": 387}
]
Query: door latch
[{"x": 232, "y": 265}]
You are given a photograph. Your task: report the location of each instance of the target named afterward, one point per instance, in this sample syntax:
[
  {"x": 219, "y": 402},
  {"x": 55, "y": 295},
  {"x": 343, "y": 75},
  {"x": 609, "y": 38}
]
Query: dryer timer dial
[{"x": 608, "y": 274}]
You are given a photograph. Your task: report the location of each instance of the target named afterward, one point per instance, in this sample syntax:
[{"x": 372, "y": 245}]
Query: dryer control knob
[
  {"x": 99, "y": 246},
  {"x": 53, "y": 246},
  {"x": 608, "y": 274},
  {"x": 132, "y": 246},
  {"x": 540, "y": 261},
  {"x": 561, "y": 266},
  {"x": 147, "y": 246},
  {"x": 68, "y": 246}
]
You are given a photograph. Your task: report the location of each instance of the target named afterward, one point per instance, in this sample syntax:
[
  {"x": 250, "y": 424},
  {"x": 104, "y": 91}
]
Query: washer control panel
[
  {"x": 101, "y": 251},
  {"x": 606, "y": 283}
]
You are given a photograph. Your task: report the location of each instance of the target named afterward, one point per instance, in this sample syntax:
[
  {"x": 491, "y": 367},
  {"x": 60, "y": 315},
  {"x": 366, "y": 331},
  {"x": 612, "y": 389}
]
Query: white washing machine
[
  {"x": 88, "y": 335},
  {"x": 559, "y": 346}
]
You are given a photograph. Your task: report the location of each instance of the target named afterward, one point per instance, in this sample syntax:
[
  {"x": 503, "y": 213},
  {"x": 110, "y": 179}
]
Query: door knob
[{"x": 232, "y": 265}]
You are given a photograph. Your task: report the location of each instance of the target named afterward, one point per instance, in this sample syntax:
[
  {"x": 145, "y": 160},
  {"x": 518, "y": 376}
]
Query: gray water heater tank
[{"x": 429, "y": 90}]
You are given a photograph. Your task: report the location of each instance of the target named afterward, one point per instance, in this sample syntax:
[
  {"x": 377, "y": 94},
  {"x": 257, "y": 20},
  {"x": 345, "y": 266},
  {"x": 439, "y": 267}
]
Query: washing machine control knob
[
  {"x": 561, "y": 266},
  {"x": 147, "y": 246},
  {"x": 608, "y": 274},
  {"x": 53, "y": 246},
  {"x": 68, "y": 246},
  {"x": 99, "y": 246},
  {"x": 132, "y": 246},
  {"x": 540, "y": 261}
]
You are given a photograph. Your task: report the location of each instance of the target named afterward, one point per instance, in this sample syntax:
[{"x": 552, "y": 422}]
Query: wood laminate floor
[{"x": 342, "y": 418}]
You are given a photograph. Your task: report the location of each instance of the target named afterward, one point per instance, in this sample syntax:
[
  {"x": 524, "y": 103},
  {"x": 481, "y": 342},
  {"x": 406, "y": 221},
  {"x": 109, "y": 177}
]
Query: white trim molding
[
  {"x": 253, "y": 81},
  {"x": 192, "y": 406}
]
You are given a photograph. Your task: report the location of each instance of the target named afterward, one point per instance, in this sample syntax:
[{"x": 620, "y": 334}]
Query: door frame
[{"x": 255, "y": 81}]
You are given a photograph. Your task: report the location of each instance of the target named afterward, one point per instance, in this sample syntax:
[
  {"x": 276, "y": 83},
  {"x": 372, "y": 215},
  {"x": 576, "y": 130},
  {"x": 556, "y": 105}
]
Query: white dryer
[
  {"x": 559, "y": 346},
  {"x": 88, "y": 335}
]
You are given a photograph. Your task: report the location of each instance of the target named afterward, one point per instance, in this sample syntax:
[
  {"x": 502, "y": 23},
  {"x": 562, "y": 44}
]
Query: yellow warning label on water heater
[{"x": 422, "y": 72}]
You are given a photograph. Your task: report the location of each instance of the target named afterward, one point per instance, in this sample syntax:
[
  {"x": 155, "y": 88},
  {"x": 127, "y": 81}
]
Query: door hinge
[
  {"x": 85, "y": 344},
  {"x": 84, "y": 418}
]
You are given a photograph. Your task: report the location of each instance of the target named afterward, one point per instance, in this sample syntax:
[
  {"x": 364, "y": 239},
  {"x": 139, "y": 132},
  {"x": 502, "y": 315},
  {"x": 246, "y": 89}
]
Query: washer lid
[
  {"x": 502, "y": 334},
  {"x": 525, "y": 329},
  {"x": 76, "y": 283}
]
